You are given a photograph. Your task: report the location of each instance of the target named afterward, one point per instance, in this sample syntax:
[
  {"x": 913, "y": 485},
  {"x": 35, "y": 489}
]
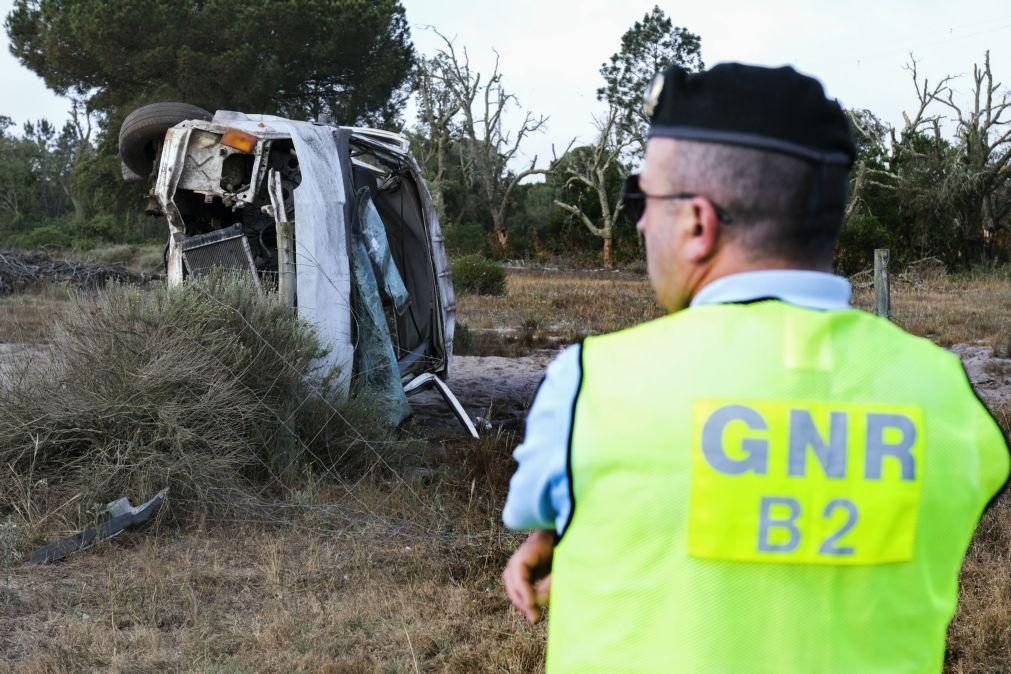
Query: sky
[{"x": 551, "y": 50}]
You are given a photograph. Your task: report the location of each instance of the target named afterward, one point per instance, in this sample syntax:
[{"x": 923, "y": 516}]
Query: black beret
[{"x": 775, "y": 109}]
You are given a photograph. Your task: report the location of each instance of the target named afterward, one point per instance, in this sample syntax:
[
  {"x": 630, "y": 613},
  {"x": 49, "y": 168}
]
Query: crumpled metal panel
[
  {"x": 173, "y": 156},
  {"x": 397, "y": 146},
  {"x": 443, "y": 274}
]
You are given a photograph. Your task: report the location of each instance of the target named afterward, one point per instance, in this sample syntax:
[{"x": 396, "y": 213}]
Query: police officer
[{"x": 765, "y": 480}]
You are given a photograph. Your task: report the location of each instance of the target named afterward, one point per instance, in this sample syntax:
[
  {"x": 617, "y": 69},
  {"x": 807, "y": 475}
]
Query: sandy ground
[
  {"x": 990, "y": 376},
  {"x": 495, "y": 391},
  {"x": 498, "y": 391}
]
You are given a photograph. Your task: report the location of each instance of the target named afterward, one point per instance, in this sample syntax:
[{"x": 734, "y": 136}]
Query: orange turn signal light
[{"x": 240, "y": 140}]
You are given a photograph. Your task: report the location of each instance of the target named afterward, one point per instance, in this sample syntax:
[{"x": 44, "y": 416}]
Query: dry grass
[
  {"x": 399, "y": 573},
  {"x": 546, "y": 308},
  {"x": 950, "y": 311},
  {"x": 28, "y": 318},
  {"x": 145, "y": 259},
  {"x": 979, "y": 638}
]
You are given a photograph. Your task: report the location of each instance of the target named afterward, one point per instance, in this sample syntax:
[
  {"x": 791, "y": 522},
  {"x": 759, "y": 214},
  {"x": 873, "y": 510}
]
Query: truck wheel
[{"x": 144, "y": 128}]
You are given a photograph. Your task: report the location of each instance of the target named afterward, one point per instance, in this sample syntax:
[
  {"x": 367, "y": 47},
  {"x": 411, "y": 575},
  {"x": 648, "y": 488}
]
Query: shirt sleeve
[{"x": 539, "y": 490}]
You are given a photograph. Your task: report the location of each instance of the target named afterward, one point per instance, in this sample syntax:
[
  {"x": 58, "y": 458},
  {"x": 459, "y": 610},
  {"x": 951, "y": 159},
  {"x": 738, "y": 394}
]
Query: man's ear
[{"x": 705, "y": 230}]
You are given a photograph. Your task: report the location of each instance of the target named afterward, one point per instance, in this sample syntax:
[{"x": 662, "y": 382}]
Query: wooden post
[
  {"x": 286, "y": 262},
  {"x": 882, "y": 294}
]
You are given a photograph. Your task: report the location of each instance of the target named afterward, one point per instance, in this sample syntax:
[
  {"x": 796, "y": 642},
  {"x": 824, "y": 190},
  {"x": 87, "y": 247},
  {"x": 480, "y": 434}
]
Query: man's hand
[{"x": 527, "y": 576}]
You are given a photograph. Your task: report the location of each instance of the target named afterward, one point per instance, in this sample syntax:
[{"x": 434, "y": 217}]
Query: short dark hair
[{"x": 767, "y": 195}]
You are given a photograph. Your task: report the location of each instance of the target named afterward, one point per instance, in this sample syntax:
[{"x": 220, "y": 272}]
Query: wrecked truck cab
[{"x": 338, "y": 220}]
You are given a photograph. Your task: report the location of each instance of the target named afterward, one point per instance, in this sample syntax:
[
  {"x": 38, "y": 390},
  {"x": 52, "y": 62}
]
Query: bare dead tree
[
  {"x": 490, "y": 145},
  {"x": 985, "y": 133},
  {"x": 589, "y": 167},
  {"x": 899, "y": 143},
  {"x": 925, "y": 95},
  {"x": 437, "y": 106},
  {"x": 863, "y": 123},
  {"x": 77, "y": 136},
  {"x": 966, "y": 178}
]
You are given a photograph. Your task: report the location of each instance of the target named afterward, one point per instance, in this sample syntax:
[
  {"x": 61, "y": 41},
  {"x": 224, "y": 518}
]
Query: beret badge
[{"x": 652, "y": 95}]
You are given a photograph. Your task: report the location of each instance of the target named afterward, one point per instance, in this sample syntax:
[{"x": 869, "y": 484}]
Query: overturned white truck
[{"x": 338, "y": 220}]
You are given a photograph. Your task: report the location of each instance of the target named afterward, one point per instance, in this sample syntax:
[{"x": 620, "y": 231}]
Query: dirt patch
[
  {"x": 494, "y": 389},
  {"x": 990, "y": 375}
]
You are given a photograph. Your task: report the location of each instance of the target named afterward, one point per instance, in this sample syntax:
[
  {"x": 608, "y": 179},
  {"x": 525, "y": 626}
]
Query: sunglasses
[{"x": 634, "y": 200}]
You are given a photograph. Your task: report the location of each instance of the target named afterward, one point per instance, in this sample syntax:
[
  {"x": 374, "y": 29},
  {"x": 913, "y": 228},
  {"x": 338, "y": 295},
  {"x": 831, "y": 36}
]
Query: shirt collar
[{"x": 808, "y": 289}]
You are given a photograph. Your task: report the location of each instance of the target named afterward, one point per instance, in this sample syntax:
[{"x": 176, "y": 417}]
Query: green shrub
[
  {"x": 986, "y": 270},
  {"x": 477, "y": 275},
  {"x": 103, "y": 228},
  {"x": 47, "y": 236}
]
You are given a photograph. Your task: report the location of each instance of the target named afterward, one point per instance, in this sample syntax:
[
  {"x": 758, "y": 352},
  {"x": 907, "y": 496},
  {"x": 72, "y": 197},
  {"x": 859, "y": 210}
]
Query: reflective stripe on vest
[{"x": 765, "y": 488}]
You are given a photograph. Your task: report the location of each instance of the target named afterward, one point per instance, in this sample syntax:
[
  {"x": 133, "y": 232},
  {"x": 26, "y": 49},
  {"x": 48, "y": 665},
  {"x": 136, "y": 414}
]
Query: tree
[
  {"x": 597, "y": 169},
  {"x": 984, "y": 167},
  {"x": 344, "y": 58},
  {"x": 36, "y": 174},
  {"x": 489, "y": 145},
  {"x": 869, "y": 134},
  {"x": 952, "y": 194},
  {"x": 437, "y": 106},
  {"x": 18, "y": 189},
  {"x": 650, "y": 46}
]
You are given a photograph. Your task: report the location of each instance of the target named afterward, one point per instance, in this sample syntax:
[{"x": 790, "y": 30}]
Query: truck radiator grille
[{"x": 224, "y": 248}]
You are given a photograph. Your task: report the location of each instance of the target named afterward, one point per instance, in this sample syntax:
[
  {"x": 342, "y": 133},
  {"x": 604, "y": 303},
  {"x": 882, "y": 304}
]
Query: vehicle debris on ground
[{"x": 121, "y": 514}]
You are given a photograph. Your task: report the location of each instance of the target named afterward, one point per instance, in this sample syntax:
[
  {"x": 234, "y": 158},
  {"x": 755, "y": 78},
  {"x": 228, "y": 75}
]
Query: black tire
[{"x": 145, "y": 127}]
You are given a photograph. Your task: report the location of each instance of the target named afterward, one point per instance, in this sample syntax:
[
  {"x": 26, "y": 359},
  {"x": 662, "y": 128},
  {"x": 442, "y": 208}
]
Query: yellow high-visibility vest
[{"x": 768, "y": 488}]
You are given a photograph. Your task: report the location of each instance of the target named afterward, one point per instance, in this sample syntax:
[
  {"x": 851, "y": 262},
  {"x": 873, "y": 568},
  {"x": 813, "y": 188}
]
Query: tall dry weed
[{"x": 208, "y": 390}]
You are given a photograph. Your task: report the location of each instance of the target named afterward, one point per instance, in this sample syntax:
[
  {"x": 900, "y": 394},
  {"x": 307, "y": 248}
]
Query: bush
[
  {"x": 50, "y": 236},
  {"x": 103, "y": 229},
  {"x": 82, "y": 235},
  {"x": 477, "y": 275},
  {"x": 208, "y": 391}
]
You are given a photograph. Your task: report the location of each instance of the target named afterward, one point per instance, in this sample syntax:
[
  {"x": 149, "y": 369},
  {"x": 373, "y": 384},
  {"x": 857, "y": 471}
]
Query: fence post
[{"x": 882, "y": 294}]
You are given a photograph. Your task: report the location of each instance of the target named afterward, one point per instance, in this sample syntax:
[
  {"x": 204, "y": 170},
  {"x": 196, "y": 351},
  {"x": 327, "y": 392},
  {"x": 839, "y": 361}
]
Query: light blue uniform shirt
[{"x": 539, "y": 490}]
